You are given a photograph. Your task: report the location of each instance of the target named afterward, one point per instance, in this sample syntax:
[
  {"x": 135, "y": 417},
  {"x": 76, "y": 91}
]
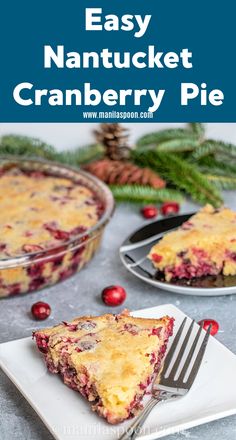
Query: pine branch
[
  {"x": 178, "y": 145},
  {"x": 81, "y": 155},
  {"x": 224, "y": 147},
  {"x": 211, "y": 146},
  {"x": 203, "y": 150},
  {"x": 222, "y": 182},
  {"x": 216, "y": 165},
  {"x": 25, "y": 146},
  {"x": 31, "y": 147},
  {"x": 183, "y": 175},
  {"x": 166, "y": 135},
  {"x": 144, "y": 194},
  {"x": 198, "y": 129}
]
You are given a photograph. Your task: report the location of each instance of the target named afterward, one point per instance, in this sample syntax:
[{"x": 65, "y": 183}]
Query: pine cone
[
  {"x": 123, "y": 173},
  {"x": 115, "y": 139}
]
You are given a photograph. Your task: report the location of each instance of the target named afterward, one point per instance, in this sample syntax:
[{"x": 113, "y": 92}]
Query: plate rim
[{"x": 153, "y": 435}]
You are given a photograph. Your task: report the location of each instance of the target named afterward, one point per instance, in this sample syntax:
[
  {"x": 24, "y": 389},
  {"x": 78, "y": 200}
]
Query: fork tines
[{"x": 190, "y": 350}]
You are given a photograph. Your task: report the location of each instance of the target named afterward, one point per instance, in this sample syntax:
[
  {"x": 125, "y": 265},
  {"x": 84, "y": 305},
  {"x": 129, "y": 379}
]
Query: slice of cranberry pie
[
  {"x": 204, "y": 245},
  {"x": 110, "y": 359}
]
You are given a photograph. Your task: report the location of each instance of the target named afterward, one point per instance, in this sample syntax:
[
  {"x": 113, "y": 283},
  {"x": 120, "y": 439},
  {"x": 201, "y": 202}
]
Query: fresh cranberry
[
  {"x": 149, "y": 211},
  {"x": 170, "y": 208},
  {"x": 41, "y": 310},
  {"x": 113, "y": 295},
  {"x": 207, "y": 322},
  {"x": 2, "y": 247}
]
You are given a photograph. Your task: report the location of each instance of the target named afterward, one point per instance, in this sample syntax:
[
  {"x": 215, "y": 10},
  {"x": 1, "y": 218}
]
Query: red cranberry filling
[
  {"x": 156, "y": 331},
  {"x": 31, "y": 248},
  {"x": 2, "y": 247},
  {"x": 132, "y": 328},
  {"x": 37, "y": 174},
  {"x": 232, "y": 256},
  {"x": 57, "y": 233},
  {"x": 70, "y": 327},
  {"x": 28, "y": 234},
  {"x": 186, "y": 269},
  {"x": 78, "y": 230},
  {"x": 200, "y": 253},
  {"x": 187, "y": 225},
  {"x": 189, "y": 271},
  {"x": 156, "y": 258},
  {"x": 143, "y": 385},
  {"x": 37, "y": 283},
  {"x": 14, "y": 289},
  {"x": 182, "y": 254},
  {"x": 41, "y": 341},
  {"x": 35, "y": 270}
]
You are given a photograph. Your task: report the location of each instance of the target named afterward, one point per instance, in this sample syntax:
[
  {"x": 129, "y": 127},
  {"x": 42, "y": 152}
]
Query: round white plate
[{"x": 134, "y": 251}]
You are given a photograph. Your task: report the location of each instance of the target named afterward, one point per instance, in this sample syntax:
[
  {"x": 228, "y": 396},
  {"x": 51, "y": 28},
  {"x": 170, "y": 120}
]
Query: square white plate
[{"x": 68, "y": 416}]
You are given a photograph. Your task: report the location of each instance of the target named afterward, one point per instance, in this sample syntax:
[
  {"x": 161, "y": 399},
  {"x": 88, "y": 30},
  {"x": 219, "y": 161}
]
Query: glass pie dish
[{"x": 39, "y": 267}]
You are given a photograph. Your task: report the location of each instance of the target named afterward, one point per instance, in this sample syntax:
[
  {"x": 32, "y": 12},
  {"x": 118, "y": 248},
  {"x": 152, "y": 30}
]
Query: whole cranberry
[
  {"x": 207, "y": 322},
  {"x": 170, "y": 208},
  {"x": 40, "y": 310},
  {"x": 113, "y": 295},
  {"x": 149, "y": 211}
]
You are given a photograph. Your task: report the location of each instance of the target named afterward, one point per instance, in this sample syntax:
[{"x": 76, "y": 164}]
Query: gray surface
[{"x": 81, "y": 295}]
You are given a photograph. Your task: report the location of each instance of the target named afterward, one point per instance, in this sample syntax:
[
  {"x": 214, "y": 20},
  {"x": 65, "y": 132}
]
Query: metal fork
[{"x": 174, "y": 383}]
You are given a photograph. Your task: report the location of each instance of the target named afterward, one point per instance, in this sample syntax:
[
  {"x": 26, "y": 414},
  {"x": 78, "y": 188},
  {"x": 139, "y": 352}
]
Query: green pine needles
[
  {"x": 190, "y": 163},
  {"x": 181, "y": 174},
  {"x": 145, "y": 194}
]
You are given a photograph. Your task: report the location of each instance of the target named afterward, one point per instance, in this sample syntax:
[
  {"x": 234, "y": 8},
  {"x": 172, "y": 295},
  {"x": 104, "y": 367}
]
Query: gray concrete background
[{"x": 81, "y": 295}]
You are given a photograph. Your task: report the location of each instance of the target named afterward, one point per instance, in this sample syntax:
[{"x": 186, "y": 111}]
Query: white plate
[{"x": 68, "y": 416}]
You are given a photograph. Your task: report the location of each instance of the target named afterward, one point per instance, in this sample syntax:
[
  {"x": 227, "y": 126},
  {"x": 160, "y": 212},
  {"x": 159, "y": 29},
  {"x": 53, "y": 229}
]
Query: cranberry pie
[
  {"x": 49, "y": 225},
  {"x": 110, "y": 359},
  {"x": 204, "y": 245},
  {"x": 39, "y": 211}
]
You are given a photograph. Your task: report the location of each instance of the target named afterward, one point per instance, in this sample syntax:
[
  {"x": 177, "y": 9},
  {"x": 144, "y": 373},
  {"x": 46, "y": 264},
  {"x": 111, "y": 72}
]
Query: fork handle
[{"x": 134, "y": 430}]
